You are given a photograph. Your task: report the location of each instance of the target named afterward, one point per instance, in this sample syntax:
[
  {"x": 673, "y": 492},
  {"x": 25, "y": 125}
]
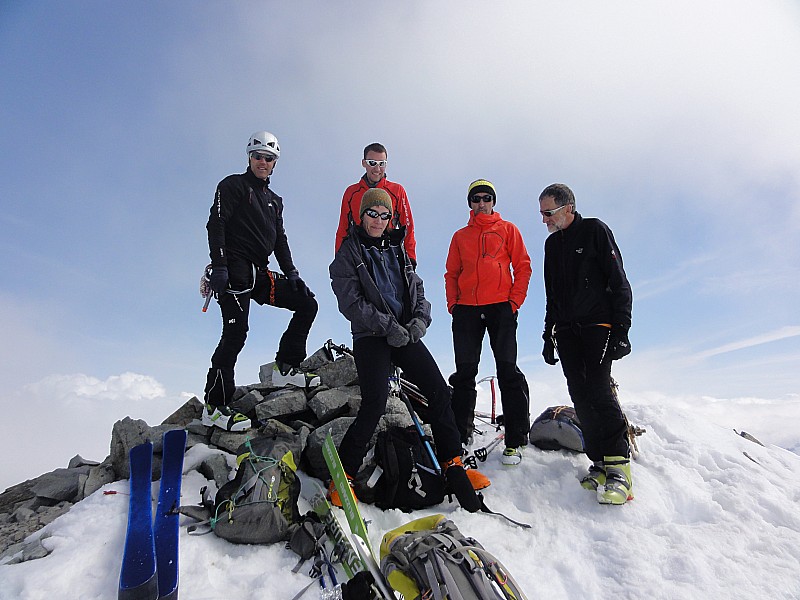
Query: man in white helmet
[{"x": 245, "y": 228}]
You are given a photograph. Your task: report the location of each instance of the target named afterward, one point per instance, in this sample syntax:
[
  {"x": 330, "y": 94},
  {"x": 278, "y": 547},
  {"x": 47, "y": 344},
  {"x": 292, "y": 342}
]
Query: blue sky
[{"x": 675, "y": 123}]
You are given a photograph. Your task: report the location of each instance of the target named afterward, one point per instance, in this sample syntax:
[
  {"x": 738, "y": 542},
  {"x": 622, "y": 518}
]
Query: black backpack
[{"x": 401, "y": 474}]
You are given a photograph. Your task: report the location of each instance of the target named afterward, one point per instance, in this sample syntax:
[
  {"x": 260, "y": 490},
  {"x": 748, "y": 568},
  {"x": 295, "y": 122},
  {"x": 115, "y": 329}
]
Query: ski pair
[
  {"x": 358, "y": 527},
  {"x": 150, "y": 558}
]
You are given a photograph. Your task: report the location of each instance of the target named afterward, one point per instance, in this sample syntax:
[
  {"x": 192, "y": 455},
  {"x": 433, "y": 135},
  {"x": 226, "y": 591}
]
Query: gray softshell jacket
[{"x": 358, "y": 296}]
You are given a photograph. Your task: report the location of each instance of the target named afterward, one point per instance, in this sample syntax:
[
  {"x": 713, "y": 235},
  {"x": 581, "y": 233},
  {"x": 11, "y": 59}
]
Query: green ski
[
  {"x": 349, "y": 503},
  {"x": 354, "y": 519},
  {"x": 343, "y": 551}
]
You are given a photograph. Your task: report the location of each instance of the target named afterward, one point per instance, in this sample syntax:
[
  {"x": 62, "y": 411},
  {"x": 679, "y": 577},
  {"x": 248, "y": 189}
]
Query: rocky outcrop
[{"x": 29, "y": 506}]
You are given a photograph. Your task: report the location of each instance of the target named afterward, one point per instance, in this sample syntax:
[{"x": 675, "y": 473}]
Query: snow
[{"x": 715, "y": 515}]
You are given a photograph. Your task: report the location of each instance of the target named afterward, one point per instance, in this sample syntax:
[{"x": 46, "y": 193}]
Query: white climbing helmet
[{"x": 263, "y": 141}]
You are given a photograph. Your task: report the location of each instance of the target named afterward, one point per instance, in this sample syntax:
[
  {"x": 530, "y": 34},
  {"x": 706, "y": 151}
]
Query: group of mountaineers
[{"x": 373, "y": 276}]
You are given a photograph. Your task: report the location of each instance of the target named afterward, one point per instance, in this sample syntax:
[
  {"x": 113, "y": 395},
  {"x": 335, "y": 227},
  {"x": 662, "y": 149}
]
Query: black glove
[
  {"x": 618, "y": 343},
  {"x": 549, "y": 350},
  {"x": 416, "y": 329},
  {"x": 397, "y": 336},
  {"x": 458, "y": 483},
  {"x": 298, "y": 285},
  {"x": 219, "y": 279},
  {"x": 359, "y": 587}
]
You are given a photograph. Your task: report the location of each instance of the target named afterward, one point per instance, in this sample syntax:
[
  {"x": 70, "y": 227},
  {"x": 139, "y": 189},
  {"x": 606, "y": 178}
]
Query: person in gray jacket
[{"x": 379, "y": 292}]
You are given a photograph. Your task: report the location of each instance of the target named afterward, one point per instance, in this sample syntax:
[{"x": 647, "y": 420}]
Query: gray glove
[
  {"x": 397, "y": 336},
  {"x": 416, "y": 330}
]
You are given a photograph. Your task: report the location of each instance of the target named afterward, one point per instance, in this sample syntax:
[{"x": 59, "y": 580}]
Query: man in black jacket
[
  {"x": 245, "y": 227},
  {"x": 587, "y": 319}
]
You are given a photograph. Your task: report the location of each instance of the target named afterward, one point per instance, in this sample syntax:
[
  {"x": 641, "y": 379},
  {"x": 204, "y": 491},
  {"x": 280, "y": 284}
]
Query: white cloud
[
  {"x": 788, "y": 331},
  {"x": 80, "y": 389},
  {"x": 64, "y": 415}
]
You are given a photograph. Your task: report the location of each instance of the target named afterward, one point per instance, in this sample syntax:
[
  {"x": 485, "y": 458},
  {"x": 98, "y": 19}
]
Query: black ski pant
[
  {"x": 581, "y": 350},
  {"x": 470, "y": 324},
  {"x": 272, "y": 289},
  {"x": 374, "y": 358}
]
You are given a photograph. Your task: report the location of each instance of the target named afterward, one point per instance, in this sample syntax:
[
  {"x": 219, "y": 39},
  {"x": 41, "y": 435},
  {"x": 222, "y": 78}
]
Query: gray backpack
[
  {"x": 259, "y": 505},
  {"x": 557, "y": 428},
  {"x": 430, "y": 558}
]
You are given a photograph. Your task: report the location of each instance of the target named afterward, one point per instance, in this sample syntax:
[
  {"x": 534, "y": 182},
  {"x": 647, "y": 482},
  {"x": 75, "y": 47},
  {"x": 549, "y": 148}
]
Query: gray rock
[
  {"x": 315, "y": 362},
  {"x": 284, "y": 402},
  {"x": 247, "y": 403},
  {"x": 22, "y": 514},
  {"x": 329, "y": 404},
  {"x": 313, "y": 454},
  {"x": 191, "y": 410},
  {"x": 265, "y": 374},
  {"x": 126, "y": 434},
  {"x": 196, "y": 427},
  {"x": 79, "y": 461},
  {"x": 22, "y": 552},
  {"x": 339, "y": 373},
  {"x": 216, "y": 469},
  {"x": 61, "y": 484},
  {"x": 98, "y": 477},
  {"x": 51, "y": 513},
  {"x": 229, "y": 440}
]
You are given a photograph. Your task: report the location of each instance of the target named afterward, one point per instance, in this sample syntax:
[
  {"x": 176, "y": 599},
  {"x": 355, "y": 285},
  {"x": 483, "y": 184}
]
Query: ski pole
[
  {"x": 207, "y": 302},
  {"x": 482, "y": 453},
  {"x": 418, "y": 426}
]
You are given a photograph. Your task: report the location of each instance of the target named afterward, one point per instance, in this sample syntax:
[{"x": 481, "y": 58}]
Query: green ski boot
[
  {"x": 618, "y": 488},
  {"x": 595, "y": 478}
]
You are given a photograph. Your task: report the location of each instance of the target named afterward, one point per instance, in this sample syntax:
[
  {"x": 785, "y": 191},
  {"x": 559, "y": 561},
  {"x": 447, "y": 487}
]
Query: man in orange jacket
[
  {"x": 484, "y": 294},
  {"x": 374, "y": 163}
]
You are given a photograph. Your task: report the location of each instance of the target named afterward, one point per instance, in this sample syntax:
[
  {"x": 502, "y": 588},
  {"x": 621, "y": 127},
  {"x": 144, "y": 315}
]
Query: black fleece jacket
[
  {"x": 585, "y": 282},
  {"x": 246, "y": 223}
]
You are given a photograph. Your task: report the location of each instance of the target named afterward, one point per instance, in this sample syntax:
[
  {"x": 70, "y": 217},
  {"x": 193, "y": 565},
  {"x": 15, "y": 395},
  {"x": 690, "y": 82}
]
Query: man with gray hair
[{"x": 587, "y": 318}]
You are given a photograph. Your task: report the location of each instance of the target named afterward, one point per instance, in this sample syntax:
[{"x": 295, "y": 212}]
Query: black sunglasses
[
  {"x": 487, "y": 198},
  {"x": 260, "y": 156},
  {"x": 376, "y": 215}
]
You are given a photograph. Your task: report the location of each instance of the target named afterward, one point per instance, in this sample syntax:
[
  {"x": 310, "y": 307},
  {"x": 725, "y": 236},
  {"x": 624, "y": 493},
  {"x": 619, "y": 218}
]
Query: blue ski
[
  {"x": 137, "y": 578},
  {"x": 165, "y": 526}
]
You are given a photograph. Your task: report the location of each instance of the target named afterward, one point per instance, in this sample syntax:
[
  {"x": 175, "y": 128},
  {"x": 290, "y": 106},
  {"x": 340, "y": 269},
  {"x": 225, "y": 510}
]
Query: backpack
[
  {"x": 431, "y": 558},
  {"x": 401, "y": 474},
  {"x": 259, "y": 505},
  {"x": 557, "y": 428}
]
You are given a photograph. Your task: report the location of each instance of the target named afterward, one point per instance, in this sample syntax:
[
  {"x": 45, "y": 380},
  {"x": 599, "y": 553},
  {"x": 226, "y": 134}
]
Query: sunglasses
[
  {"x": 478, "y": 199},
  {"x": 551, "y": 212},
  {"x": 375, "y": 163},
  {"x": 258, "y": 156},
  {"x": 376, "y": 215}
]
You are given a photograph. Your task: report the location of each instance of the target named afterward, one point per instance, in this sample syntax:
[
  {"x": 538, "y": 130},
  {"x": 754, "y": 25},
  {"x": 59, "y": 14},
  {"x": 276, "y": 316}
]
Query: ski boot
[
  {"x": 283, "y": 375},
  {"x": 618, "y": 488},
  {"x": 224, "y": 418},
  {"x": 596, "y": 476},
  {"x": 511, "y": 456}
]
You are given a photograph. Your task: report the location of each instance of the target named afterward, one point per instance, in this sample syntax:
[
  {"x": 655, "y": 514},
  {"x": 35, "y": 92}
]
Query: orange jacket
[
  {"x": 480, "y": 262},
  {"x": 351, "y": 202}
]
